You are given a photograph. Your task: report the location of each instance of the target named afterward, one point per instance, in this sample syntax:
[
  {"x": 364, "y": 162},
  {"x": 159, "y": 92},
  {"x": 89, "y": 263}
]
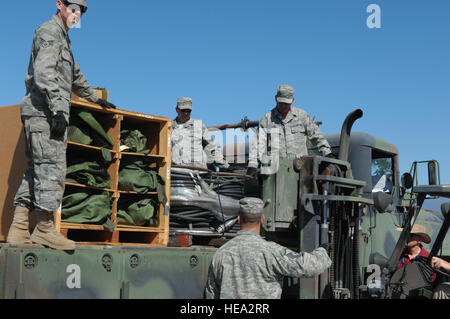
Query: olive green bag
[
  {"x": 134, "y": 140},
  {"x": 85, "y": 129},
  {"x": 86, "y": 207},
  {"x": 135, "y": 175},
  {"x": 89, "y": 173},
  {"x": 137, "y": 213}
]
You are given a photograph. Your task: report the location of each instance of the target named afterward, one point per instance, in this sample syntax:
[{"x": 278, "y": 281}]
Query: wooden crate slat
[{"x": 90, "y": 187}]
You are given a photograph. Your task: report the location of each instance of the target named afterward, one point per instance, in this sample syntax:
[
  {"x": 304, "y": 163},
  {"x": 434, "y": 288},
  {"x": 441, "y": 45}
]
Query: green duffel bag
[
  {"x": 89, "y": 173},
  {"x": 138, "y": 213},
  {"x": 135, "y": 175},
  {"x": 79, "y": 132},
  {"x": 86, "y": 207},
  {"x": 85, "y": 129},
  {"x": 134, "y": 140}
]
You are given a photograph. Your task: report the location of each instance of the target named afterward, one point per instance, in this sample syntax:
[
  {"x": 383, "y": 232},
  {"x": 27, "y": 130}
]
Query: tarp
[{"x": 194, "y": 194}]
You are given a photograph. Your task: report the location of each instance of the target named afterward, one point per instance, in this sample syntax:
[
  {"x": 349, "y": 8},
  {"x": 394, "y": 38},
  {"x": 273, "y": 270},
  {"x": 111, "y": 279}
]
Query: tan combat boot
[
  {"x": 18, "y": 232},
  {"x": 46, "y": 234}
]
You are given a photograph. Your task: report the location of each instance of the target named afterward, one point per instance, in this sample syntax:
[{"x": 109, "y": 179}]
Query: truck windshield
[{"x": 382, "y": 174}]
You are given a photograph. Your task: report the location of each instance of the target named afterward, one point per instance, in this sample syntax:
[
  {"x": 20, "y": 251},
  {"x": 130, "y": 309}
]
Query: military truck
[
  {"x": 359, "y": 204},
  {"x": 309, "y": 201},
  {"x": 358, "y": 209}
]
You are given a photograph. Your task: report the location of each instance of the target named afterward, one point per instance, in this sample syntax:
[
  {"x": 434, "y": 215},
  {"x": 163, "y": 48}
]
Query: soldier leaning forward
[
  {"x": 52, "y": 76},
  {"x": 249, "y": 267},
  {"x": 283, "y": 133}
]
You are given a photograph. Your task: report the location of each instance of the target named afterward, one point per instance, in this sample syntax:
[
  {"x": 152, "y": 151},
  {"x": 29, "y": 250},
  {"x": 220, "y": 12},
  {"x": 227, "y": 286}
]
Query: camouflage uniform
[
  {"x": 191, "y": 140},
  {"x": 52, "y": 76},
  {"x": 286, "y": 138},
  {"x": 249, "y": 267}
]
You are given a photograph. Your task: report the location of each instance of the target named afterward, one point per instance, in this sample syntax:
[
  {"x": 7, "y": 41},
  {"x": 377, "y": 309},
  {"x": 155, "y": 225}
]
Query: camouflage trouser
[
  {"x": 42, "y": 186},
  {"x": 442, "y": 291}
]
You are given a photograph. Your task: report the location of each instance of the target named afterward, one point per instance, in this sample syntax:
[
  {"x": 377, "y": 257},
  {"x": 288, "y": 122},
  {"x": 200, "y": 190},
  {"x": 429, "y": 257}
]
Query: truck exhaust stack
[{"x": 345, "y": 133}]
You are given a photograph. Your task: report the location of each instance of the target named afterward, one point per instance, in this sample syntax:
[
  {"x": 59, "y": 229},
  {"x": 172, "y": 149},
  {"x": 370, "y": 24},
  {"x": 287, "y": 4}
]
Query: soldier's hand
[
  {"x": 252, "y": 171},
  {"x": 439, "y": 263},
  {"x": 224, "y": 166},
  {"x": 251, "y": 184},
  {"x": 106, "y": 104},
  {"x": 58, "y": 125}
]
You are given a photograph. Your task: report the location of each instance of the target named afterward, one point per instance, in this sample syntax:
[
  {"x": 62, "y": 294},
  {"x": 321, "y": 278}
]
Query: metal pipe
[
  {"x": 194, "y": 232},
  {"x": 356, "y": 271},
  {"x": 323, "y": 278},
  {"x": 245, "y": 124},
  {"x": 345, "y": 133},
  {"x": 445, "y": 208}
]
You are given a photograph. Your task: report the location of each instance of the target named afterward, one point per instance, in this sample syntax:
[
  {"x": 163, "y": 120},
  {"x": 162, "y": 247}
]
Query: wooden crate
[
  {"x": 158, "y": 131},
  {"x": 13, "y": 163}
]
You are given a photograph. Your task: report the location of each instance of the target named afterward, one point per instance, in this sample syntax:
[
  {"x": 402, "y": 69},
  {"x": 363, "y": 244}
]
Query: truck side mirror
[
  {"x": 445, "y": 208},
  {"x": 432, "y": 175},
  {"x": 407, "y": 181},
  {"x": 381, "y": 201},
  {"x": 378, "y": 259}
]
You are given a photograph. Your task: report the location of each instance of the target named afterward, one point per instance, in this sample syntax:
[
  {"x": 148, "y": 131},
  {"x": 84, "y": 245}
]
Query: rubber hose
[
  {"x": 332, "y": 251},
  {"x": 356, "y": 274}
]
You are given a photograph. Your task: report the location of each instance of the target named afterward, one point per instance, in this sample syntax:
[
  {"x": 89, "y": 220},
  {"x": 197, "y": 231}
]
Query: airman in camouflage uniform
[
  {"x": 283, "y": 132},
  {"x": 52, "y": 76},
  {"x": 249, "y": 267},
  {"x": 191, "y": 139}
]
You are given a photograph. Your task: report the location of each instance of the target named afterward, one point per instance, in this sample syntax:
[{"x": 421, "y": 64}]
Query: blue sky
[{"x": 230, "y": 56}]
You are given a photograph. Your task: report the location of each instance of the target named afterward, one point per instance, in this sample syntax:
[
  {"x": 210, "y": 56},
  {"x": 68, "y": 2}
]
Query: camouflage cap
[
  {"x": 285, "y": 94},
  {"x": 251, "y": 205},
  {"x": 184, "y": 103},
  {"x": 79, "y": 2}
]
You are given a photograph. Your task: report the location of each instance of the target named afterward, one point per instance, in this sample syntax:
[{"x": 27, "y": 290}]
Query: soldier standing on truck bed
[
  {"x": 249, "y": 267},
  {"x": 52, "y": 75},
  {"x": 191, "y": 138},
  {"x": 282, "y": 133}
]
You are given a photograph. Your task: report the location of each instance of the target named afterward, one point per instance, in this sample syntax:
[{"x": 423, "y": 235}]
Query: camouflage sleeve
[
  {"x": 212, "y": 291},
  {"x": 253, "y": 151},
  {"x": 316, "y": 137},
  {"x": 292, "y": 264},
  {"x": 259, "y": 145},
  {"x": 47, "y": 51},
  {"x": 81, "y": 87},
  {"x": 212, "y": 149}
]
